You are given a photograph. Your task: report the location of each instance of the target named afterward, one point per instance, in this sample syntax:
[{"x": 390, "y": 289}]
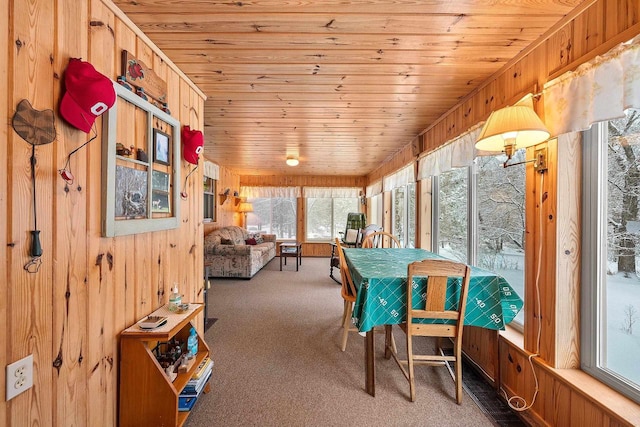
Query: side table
[{"x": 291, "y": 250}]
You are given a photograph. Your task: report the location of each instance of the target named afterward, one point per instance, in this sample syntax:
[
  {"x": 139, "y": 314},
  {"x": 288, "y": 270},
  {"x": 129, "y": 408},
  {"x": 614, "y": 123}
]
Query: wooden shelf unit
[{"x": 147, "y": 396}]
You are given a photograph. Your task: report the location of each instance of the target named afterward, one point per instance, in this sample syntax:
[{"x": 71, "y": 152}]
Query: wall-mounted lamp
[
  {"x": 512, "y": 128},
  {"x": 292, "y": 161},
  {"x": 245, "y": 208}
]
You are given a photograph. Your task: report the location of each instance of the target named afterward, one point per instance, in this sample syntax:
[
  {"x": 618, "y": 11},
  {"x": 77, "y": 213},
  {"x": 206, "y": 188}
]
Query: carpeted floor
[{"x": 275, "y": 346}]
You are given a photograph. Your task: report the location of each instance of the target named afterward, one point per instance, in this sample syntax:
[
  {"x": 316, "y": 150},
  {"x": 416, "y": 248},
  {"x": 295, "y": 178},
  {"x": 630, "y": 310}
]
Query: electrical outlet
[{"x": 19, "y": 376}]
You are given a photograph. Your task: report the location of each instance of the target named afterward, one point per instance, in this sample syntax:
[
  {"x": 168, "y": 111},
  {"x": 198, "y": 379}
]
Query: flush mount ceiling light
[
  {"x": 510, "y": 129},
  {"x": 292, "y": 161}
]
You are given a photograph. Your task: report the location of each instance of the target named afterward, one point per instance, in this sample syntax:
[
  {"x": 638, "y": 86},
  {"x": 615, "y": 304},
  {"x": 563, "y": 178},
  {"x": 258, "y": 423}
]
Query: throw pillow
[
  {"x": 250, "y": 241},
  {"x": 258, "y": 237},
  {"x": 226, "y": 242}
]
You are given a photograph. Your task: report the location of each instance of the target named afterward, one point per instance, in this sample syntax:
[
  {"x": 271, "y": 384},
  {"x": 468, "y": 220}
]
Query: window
[
  {"x": 209, "y": 202},
  {"x": 452, "y": 194},
  {"x": 375, "y": 210},
  {"x": 501, "y": 220},
  {"x": 611, "y": 253},
  {"x": 404, "y": 215},
  {"x": 275, "y": 215},
  {"x": 327, "y": 217}
]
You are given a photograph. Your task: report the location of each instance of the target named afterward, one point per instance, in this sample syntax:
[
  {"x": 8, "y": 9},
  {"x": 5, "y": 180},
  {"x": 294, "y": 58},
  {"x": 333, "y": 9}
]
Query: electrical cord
[{"x": 518, "y": 403}]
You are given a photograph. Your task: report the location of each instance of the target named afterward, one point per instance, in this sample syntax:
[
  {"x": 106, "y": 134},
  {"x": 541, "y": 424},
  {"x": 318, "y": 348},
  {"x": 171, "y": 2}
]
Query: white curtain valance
[
  {"x": 269, "y": 192},
  {"x": 457, "y": 153},
  {"x": 211, "y": 170},
  {"x": 374, "y": 189},
  {"x": 598, "y": 90},
  {"x": 331, "y": 192},
  {"x": 402, "y": 177}
]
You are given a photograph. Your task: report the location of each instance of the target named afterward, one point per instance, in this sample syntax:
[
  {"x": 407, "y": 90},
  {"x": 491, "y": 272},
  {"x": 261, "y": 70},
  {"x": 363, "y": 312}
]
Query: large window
[
  {"x": 452, "y": 241},
  {"x": 375, "y": 210},
  {"x": 404, "y": 215},
  {"x": 611, "y": 254},
  {"x": 275, "y": 215},
  {"x": 327, "y": 217},
  {"x": 501, "y": 220}
]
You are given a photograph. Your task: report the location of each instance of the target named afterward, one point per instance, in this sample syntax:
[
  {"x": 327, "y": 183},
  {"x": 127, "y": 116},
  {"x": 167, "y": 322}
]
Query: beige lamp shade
[
  {"x": 245, "y": 207},
  {"x": 510, "y": 129}
]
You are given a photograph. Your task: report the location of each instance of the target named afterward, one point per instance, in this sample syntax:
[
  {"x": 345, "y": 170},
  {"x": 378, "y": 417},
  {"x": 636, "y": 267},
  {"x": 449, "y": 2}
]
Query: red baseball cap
[
  {"x": 192, "y": 144},
  {"x": 88, "y": 94}
]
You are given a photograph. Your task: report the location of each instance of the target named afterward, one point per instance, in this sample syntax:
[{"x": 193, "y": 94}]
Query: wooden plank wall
[{"x": 88, "y": 288}]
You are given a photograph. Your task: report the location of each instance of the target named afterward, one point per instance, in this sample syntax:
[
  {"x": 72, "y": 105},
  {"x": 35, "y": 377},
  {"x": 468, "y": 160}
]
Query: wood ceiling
[{"x": 342, "y": 85}]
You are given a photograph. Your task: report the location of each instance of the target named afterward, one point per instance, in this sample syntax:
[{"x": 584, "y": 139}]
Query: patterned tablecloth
[{"x": 380, "y": 276}]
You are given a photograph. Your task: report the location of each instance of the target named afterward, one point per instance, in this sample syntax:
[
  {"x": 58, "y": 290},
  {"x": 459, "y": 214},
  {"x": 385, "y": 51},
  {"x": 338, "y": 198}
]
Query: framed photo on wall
[{"x": 161, "y": 147}]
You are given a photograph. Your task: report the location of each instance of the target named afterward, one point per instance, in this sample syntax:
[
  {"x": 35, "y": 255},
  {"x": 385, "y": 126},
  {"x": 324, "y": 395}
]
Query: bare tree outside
[{"x": 624, "y": 192}]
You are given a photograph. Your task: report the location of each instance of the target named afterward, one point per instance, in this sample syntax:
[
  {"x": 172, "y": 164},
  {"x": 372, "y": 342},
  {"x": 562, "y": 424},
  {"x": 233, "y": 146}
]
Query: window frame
[
  {"x": 334, "y": 233},
  {"x": 593, "y": 269}
]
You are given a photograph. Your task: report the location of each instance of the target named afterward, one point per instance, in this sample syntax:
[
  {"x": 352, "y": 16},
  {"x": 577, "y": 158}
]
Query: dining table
[{"x": 380, "y": 276}]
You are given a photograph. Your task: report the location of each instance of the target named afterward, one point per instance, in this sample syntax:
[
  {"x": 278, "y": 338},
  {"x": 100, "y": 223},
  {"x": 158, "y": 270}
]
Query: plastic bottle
[
  {"x": 175, "y": 299},
  {"x": 192, "y": 343}
]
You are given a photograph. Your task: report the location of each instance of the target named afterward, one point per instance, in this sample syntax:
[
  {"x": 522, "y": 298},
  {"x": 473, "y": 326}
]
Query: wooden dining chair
[
  {"x": 348, "y": 292},
  {"x": 379, "y": 239},
  {"x": 433, "y": 307}
]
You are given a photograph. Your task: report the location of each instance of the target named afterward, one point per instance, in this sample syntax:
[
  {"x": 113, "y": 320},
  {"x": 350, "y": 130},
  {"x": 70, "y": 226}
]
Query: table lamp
[{"x": 245, "y": 208}]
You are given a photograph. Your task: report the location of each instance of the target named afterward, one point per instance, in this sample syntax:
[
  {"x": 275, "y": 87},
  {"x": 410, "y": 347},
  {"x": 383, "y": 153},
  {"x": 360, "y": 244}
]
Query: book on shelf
[
  {"x": 202, "y": 367},
  {"x": 152, "y": 322},
  {"x": 194, "y": 391},
  {"x": 186, "y": 403}
]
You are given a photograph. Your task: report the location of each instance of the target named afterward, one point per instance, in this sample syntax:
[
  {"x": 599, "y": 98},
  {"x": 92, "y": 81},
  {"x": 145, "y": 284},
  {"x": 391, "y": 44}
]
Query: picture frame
[
  {"x": 138, "y": 196},
  {"x": 161, "y": 147}
]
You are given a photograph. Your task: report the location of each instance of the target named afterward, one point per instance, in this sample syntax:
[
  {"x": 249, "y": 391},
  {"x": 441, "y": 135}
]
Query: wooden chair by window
[
  {"x": 380, "y": 239},
  {"x": 438, "y": 272},
  {"x": 348, "y": 293}
]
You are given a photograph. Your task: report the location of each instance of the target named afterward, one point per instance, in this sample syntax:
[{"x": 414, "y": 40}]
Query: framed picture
[
  {"x": 160, "y": 147},
  {"x": 160, "y": 202},
  {"x": 130, "y": 193}
]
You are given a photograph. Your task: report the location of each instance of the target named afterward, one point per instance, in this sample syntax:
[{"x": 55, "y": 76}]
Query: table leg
[
  {"x": 370, "y": 364},
  {"x": 281, "y": 259}
]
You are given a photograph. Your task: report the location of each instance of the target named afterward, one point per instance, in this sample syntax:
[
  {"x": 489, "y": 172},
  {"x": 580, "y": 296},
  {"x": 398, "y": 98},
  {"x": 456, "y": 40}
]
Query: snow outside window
[
  {"x": 610, "y": 333},
  {"x": 273, "y": 215}
]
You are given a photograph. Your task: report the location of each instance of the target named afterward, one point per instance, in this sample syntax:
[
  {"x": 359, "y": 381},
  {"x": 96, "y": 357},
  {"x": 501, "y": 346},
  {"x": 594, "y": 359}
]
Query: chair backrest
[
  {"x": 371, "y": 228},
  {"x": 438, "y": 272},
  {"x": 348, "y": 287},
  {"x": 380, "y": 239},
  {"x": 355, "y": 222}
]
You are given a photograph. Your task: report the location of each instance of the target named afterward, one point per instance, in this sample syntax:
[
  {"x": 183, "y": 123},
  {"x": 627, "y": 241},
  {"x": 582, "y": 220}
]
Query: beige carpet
[{"x": 278, "y": 363}]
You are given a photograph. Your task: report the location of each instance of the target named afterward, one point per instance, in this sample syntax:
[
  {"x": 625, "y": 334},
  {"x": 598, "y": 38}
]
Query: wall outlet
[{"x": 19, "y": 376}]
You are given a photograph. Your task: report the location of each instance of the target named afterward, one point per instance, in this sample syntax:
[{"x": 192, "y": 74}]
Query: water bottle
[
  {"x": 192, "y": 343},
  {"x": 175, "y": 299}
]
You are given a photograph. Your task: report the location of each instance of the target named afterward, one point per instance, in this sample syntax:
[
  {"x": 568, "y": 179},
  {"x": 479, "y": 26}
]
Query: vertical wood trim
[
  {"x": 5, "y": 251},
  {"x": 70, "y": 294},
  {"x": 30, "y": 326},
  {"x": 105, "y": 316},
  {"x": 567, "y": 256},
  {"x": 386, "y": 211}
]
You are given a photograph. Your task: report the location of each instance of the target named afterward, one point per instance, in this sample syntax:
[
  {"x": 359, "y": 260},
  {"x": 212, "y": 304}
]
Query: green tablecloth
[{"x": 380, "y": 276}]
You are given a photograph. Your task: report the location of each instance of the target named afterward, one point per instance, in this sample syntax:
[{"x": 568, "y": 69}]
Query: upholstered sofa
[{"x": 227, "y": 253}]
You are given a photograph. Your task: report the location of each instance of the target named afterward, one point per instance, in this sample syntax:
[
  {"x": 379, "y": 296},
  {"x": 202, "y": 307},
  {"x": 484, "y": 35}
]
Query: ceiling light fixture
[
  {"x": 512, "y": 128},
  {"x": 292, "y": 161}
]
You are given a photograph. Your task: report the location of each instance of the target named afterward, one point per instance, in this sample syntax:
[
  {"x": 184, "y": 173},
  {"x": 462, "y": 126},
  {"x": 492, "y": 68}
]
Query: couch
[{"x": 233, "y": 251}]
